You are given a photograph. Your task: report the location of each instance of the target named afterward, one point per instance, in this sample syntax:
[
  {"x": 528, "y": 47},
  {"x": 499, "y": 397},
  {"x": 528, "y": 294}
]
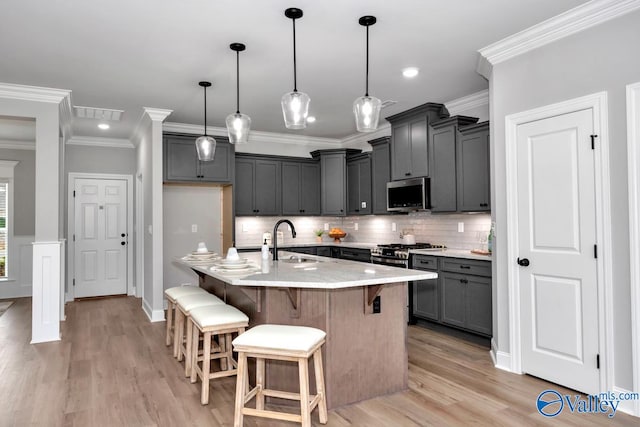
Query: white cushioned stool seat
[
  {"x": 280, "y": 337},
  {"x": 285, "y": 343},
  {"x": 213, "y": 323},
  {"x": 189, "y": 302},
  {"x": 172, "y": 294}
]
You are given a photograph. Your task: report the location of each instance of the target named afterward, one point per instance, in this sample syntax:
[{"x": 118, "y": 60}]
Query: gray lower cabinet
[
  {"x": 257, "y": 187},
  {"x": 459, "y": 297},
  {"x": 473, "y": 168},
  {"x": 359, "y": 184},
  {"x": 380, "y": 174},
  {"x": 181, "y": 162},
  {"x": 426, "y": 293},
  {"x": 355, "y": 254},
  {"x": 300, "y": 188},
  {"x": 443, "y": 137},
  {"x": 323, "y": 251}
]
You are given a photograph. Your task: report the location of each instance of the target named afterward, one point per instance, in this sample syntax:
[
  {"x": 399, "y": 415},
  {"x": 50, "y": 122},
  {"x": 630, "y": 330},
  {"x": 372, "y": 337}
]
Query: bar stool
[
  {"x": 172, "y": 294},
  {"x": 182, "y": 344},
  {"x": 211, "y": 321},
  {"x": 287, "y": 343}
]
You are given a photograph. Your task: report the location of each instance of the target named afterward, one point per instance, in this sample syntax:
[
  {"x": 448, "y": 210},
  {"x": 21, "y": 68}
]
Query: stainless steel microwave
[{"x": 409, "y": 195}]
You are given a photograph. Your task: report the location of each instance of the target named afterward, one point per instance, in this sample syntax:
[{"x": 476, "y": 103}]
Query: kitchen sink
[{"x": 294, "y": 259}]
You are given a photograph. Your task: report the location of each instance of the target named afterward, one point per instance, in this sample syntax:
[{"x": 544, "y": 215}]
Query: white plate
[
  {"x": 241, "y": 261},
  {"x": 235, "y": 266},
  {"x": 203, "y": 254},
  {"x": 199, "y": 260}
]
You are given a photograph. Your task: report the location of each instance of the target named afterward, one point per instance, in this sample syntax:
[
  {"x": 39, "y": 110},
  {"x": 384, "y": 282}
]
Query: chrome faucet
[{"x": 275, "y": 236}]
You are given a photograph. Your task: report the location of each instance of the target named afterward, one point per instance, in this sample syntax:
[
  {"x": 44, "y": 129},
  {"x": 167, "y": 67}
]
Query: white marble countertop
[
  {"x": 453, "y": 253},
  {"x": 326, "y": 273},
  {"x": 361, "y": 245}
]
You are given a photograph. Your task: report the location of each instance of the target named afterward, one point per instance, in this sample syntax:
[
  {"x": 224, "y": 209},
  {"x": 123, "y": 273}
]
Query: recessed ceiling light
[
  {"x": 410, "y": 72},
  {"x": 311, "y": 119},
  {"x": 104, "y": 126}
]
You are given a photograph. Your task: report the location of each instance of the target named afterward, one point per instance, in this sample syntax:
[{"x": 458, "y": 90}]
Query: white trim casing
[
  {"x": 16, "y": 144},
  {"x": 91, "y": 141},
  {"x": 501, "y": 359},
  {"x": 598, "y": 104},
  {"x": 626, "y": 406},
  {"x": 139, "y": 233},
  {"x": 71, "y": 227},
  {"x": 565, "y": 24},
  {"x": 633, "y": 149},
  {"x": 153, "y": 315}
]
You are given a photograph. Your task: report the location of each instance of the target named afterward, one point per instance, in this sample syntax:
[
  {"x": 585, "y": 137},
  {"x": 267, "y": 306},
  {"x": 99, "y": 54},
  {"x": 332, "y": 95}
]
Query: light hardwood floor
[{"x": 112, "y": 368}]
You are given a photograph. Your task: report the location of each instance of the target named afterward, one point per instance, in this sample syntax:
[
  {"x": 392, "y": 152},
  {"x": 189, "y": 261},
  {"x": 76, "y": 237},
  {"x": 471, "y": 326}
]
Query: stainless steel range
[{"x": 397, "y": 254}]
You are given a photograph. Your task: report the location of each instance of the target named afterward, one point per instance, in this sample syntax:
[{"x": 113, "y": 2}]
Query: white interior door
[
  {"x": 100, "y": 237},
  {"x": 557, "y": 236}
]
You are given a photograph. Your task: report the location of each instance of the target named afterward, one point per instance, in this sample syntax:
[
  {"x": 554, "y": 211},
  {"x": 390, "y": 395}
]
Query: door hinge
[
  {"x": 74, "y": 193},
  {"x": 74, "y": 237},
  {"x": 597, "y": 361},
  {"x": 593, "y": 141},
  {"x": 74, "y": 282},
  {"x": 595, "y": 251}
]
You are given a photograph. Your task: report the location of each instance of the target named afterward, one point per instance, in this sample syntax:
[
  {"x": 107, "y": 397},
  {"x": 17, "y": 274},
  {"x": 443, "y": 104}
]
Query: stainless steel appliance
[
  {"x": 397, "y": 254},
  {"x": 409, "y": 195}
]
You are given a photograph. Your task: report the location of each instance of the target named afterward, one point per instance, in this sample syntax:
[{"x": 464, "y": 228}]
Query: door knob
[
  {"x": 123, "y": 243},
  {"x": 122, "y": 235},
  {"x": 523, "y": 262}
]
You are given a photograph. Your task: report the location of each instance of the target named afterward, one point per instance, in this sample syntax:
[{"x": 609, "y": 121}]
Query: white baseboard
[
  {"x": 133, "y": 292},
  {"x": 501, "y": 360},
  {"x": 153, "y": 315},
  {"x": 626, "y": 406}
]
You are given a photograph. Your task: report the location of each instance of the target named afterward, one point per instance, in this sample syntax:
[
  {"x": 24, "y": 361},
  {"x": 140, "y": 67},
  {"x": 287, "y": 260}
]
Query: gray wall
[
  {"x": 603, "y": 58},
  {"x": 82, "y": 158},
  {"x": 24, "y": 199}
]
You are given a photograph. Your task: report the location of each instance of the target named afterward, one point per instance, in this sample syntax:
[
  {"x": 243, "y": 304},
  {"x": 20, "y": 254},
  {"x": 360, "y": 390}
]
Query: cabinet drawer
[
  {"x": 354, "y": 254},
  {"x": 424, "y": 262},
  {"x": 466, "y": 266}
]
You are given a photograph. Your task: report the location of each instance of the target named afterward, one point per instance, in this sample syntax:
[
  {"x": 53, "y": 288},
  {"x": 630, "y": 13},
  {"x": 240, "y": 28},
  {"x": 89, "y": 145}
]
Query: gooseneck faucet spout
[{"x": 275, "y": 236}]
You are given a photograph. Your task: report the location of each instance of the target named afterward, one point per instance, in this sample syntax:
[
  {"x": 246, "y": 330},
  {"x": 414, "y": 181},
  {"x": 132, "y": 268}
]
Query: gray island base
[{"x": 365, "y": 354}]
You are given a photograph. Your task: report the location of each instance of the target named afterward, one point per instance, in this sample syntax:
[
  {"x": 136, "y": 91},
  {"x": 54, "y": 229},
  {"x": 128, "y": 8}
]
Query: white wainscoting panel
[
  {"x": 20, "y": 268},
  {"x": 45, "y": 306}
]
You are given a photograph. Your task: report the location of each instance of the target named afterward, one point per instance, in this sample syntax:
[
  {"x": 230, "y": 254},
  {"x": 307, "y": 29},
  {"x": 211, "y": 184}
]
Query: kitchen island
[{"x": 362, "y": 307}]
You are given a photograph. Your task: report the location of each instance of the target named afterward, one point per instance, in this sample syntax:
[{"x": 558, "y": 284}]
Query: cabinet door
[
  {"x": 243, "y": 188},
  {"x": 478, "y": 309},
  {"x": 400, "y": 152},
  {"x": 473, "y": 172},
  {"x": 291, "y": 188},
  {"x": 419, "y": 155},
  {"x": 310, "y": 188},
  {"x": 333, "y": 170},
  {"x": 180, "y": 160},
  {"x": 267, "y": 188},
  {"x": 443, "y": 169},
  {"x": 453, "y": 299},
  {"x": 426, "y": 299},
  {"x": 220, "y": 169},
  {"x": 323, "y": 251},
  {"x": 353, "y": 188},
  {"x": 380, "y": 175}
]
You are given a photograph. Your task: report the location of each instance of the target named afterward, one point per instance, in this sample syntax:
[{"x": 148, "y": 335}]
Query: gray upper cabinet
[
  {"x": 443, "y": 139},
  {"x": 333, "y": 180},
  {"x": 409, "y": 140},
  {"x": 473, "y": 168},
  {"x": 257, "y": 188},
  {"x": 359, "y": 184},
  {"x": 380, "y": 173},
  {"x": 300, "y": 188},
  {"x": 181, "y": 162}
]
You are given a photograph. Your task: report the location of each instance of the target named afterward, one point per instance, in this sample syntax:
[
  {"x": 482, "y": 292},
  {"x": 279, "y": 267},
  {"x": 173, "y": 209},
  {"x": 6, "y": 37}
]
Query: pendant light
[
  {"x": 238, "y": 124},
  {"x": 205, "y": 144},
  {"x": 295, "y": 105},
  {"x": 367, "y": 108}
]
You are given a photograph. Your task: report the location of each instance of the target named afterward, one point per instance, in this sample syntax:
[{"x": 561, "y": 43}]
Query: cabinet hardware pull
[
  {"x": 466, "y": 267},
  {"x": 407, "y": 174},
  {"x": 464, "y": 281}
]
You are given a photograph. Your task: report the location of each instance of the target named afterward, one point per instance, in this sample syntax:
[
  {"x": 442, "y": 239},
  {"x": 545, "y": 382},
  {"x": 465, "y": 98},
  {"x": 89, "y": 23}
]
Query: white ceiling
[{"x": 126, "y": 55}]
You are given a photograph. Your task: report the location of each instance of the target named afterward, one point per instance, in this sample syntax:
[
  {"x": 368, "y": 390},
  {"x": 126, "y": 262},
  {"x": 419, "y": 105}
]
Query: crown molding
[
  {"x": 33, "y": 93},
  {"x": 254, "y": 136},
  {"x": 468, "y": 102},
  {"x": 157, "y": 114},
  {"x": 91, "y": 141},
  {"x": 360, "y": 138},
  {"x": 16, "y": 144},
  {"x": 570, "y": 22}
]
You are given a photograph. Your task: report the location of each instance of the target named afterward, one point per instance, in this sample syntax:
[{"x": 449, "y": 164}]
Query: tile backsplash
[{"x": 427, "y": 227}]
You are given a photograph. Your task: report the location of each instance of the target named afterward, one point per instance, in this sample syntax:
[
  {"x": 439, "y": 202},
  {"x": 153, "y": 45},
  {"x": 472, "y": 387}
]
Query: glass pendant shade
[
  {"x": 206, "y": 148},
  {"x": 295, "y": 109},
  {"x": 367, "y": 113},
  {"x": 238, "y": 126}
]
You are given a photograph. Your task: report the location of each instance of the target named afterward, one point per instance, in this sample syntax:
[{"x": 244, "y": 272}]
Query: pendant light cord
[
  {"x": 367, "y": 72},
  {"x": 295, "y": 80},
  {"x": 205, "y": 111},
  {"x": 237, "y": 82}
]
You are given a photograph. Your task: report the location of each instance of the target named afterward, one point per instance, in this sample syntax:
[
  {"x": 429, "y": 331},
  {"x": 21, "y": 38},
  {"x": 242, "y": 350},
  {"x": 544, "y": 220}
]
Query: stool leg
[
  {"x": 187, "y": 348},
  {"x": 170, "y": 308},
  {"x": 206, "y": 366},
  {"x": 222, "y": 343},
  {"x": 177, "y": 332},
  {"x": 195, "y": 342},
  {"x": 241, "y": 380},
  {"x": 260, "y": 383},
  {"x": 228, "y": 338},
  {"x": 322, "y": 405},
  {"x": 303, "y": 370}
]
